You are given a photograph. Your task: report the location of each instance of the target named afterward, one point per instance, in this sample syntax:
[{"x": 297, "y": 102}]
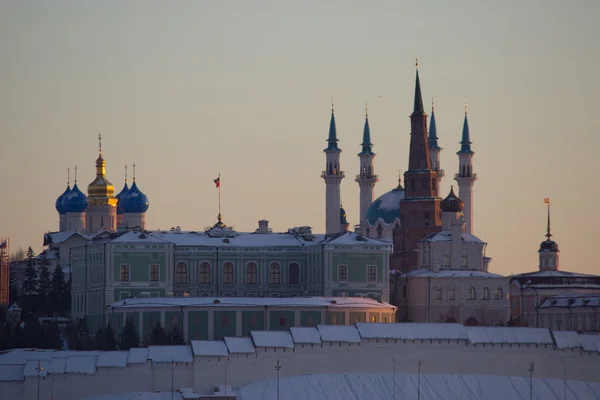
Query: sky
[{"x": 190, "y": 89}]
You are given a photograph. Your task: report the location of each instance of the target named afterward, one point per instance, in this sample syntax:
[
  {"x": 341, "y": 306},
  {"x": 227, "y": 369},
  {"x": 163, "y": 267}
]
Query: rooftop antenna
[{"x": 76, "y": 174}]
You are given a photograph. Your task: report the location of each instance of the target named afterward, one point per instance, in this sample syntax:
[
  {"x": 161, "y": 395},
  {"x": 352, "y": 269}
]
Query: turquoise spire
[
  {"x": 332, "y": 139},
  {"x": 418, "y": 107},
  {"x": 433, "y": 139},
  {"x": 367, "y": 146},
  {"x": 465, "y": 143}
]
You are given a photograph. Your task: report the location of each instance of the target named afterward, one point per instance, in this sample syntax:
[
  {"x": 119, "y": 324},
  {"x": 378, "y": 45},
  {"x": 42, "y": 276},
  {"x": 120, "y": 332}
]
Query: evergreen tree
[
  {"x": 66, "y": 301},
  {"x": 58, "y": 289},
  {"x": 6, "y": 333},
  {"x": 74, "y": 337},
  {"x": 98, "y": 342},
  {"x": 44, "y": 287},
  {"x": 13, "y": 292},
  {"x": 30, "y": 284},
  {"x": 53, "y": 337},
  {"x": 34, "y": 335},
  {"x": 176, "y": 336},
  {"x": 130, "y": 337},
  {"x": 110, "y": 343},
  {"x": 17, "y": 336},
  {"x": 159, "y": 336}
]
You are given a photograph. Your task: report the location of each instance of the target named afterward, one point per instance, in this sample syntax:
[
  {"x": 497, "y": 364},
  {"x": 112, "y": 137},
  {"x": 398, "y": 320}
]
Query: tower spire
[
  {"x": 465, "y": 143},
  {"x": 68, "y": 176},
  {"x": 433, "y": 139},
  {"x": 332, "y": 139},
  {"x": 367, "y": 146},
  {"x": 125, "y": 173},
  {"x": 548, "y": 230},
  {"x": 134, "y": 172},
  {"x": 418, "y": 106},
  {"x": 100, "y": 145},
  {"x": 76, "y": 174}
]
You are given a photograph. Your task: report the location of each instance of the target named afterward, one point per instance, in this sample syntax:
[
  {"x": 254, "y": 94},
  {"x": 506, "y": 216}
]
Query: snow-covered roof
[
  {"x": 163, "y": 354},
  {"x": 209, "y": 348},
  {"x": 32, "y": 366},
  {"x": 139, "y": 396},
  {"x": 237, "y": 239},
  {"x": 58, "y": 365},
  {"x": 59, "y": 237},
  {"x": 240, "y": 345},
  {"x": 385, "y": 209},
  {"x": 449, "y": 273},
  {"x": 572, "y": 300},
  {"x": 137, "y": 355},
  {"x": 138, "y": 237},
  {"x": 353, "y": 239},
  {"x": 272, "y": 339},
  {"x": 11, "y": 373},
  {"x": 112, "y": 359},
  {"x": 566, "y": 339},
  {"x": 330, "y": 302},
  {"x": 509, "y": 335},
  {"x": 446, "y": 236},
  {"x": 590, "y": 342},
  {"x": 305, "y": 335},
  {"x": 553, "y": 274},
  {"x": 15, "y": 307},
  {"x": 339, "y": 333},
  {"x": 411, "y": 331},
  {"x": 81, "y": 364}
]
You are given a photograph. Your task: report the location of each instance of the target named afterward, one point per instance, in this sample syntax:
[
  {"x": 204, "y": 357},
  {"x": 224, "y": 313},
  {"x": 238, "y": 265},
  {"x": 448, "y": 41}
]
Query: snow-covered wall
[{"x": 441, "y": 348}]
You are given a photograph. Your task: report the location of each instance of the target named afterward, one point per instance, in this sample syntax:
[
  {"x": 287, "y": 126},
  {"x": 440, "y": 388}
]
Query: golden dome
[{"x": 101, "y": 188}]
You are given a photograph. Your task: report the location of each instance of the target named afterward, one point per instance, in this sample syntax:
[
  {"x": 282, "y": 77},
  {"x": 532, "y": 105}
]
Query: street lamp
[
  {"x": 564, "y": 363},
  {"x": 38, "y": 369},
  {"x": 277, "y": 368},
  {"x": 394, "y": 376},
  {"x": 531, "y": 371},
  {"x": 419, "y": 382},
  {"x": 173, "y": 378},
  {"x": 226, "y": 362}
]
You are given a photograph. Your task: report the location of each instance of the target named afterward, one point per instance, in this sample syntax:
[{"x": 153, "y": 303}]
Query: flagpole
[{"x": 219, "y": 195}]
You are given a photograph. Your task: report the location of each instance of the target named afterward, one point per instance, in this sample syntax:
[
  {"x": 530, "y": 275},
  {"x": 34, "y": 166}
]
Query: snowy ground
[
  {"x": 137, "y": 396},
  {"x": 433, "y": 387}
]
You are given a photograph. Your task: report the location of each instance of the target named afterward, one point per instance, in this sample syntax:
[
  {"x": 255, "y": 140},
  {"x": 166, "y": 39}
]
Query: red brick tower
[{"x": 420, "y": 213}]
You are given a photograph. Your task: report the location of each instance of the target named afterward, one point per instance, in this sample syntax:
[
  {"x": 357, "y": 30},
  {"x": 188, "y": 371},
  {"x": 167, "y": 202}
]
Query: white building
[{"x": 572, "y": 312}]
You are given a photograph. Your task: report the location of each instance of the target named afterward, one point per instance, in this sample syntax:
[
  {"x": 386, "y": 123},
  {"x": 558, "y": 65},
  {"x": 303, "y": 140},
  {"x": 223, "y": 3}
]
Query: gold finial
[
  {"x": 332, "y": 104},
  {"x": 417, "y": 60},
  {"x": 76, "y": 174},
  {"x": 432, "y": 104},
  {"x": 126, "y": 173},
  {"x": 466, "y": 108},
  {"x": 134, "y": 172},
  {"x": 68, "y": 176},
  {"x": 366, "y": 109},
  {"x": 99, "y": 144}
]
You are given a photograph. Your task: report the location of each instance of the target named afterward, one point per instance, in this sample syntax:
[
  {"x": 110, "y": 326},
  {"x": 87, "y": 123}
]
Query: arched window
[
  {"x": 424, "y": 184},
  {"x": 251, "y": 272},
  {"x": 204, "y": 274},
  {"x": 228, "y": 274},
  {"x": 499, "y": 294},
  {"x": 181, "y": 276},
  {"x": 433, "y": 183},
  {"x": 330, "y": 169},
  {"x": 281, "y": 320},
  {"x": 472, "y": 293},
  {"x": 379, "y": 230},
  {"x": 486, "y": 293},
  {"x": 274, "y": 274},
  {"x": 412, "y": 183},
  {"x": 294, "y": 274}
]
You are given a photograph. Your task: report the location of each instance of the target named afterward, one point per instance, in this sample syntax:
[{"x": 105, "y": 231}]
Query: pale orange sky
[{"x": 189, "y": 89}]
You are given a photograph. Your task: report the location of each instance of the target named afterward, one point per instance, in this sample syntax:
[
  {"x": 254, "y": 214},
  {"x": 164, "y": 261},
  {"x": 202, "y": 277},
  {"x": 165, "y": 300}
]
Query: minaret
[
  {"x": 435, "y": 150},
  {"x": 420, "y": 212},
  {"x": 548, "y": 252},
  {"x": 102, "y": 210},
  {"x": 465, "y": 176},
  {"x": 333, "y": 176},
  {"x": 366, "y": 178}
]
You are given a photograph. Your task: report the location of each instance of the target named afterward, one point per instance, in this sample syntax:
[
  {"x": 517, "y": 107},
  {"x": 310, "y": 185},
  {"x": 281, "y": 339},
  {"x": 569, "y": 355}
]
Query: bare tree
[{"x": 18, "y": 255}]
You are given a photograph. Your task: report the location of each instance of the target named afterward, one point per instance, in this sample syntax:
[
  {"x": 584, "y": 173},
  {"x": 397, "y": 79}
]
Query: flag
[
  {"x": 3, "y": 245},
  {"x": 217, "y": 181},
  {"x": 547, "y": 200}
]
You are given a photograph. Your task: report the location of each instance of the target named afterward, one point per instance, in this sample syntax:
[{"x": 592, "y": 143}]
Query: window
[
  {"x": 174, "y": 321},
  {"x": 197, "y": 322},
  {"x": 251, "y": 274},
  {"x": 253, "y": 320},
  {"x": 486, "y": 293},
  {"x": 154, "y": 272},
  {"x": 224, "y": 322},
  {"x": 356, "y": 319},
  {"x": 379, "y": 231},
  {"x": 499, "y": 294},
  {"x": 451, "y": 294},
  {"x": 309, "y": 321},
  {"x": 343, "y": 273},
  {"x": 371, "y": 273},
  {"x": 181, "y": 274},
  {"x": 463, "y": 261},
  {"x": 373, "y": 319},
  {"x": 281, "y": 320},
  {"x": 446, "y": 261},
  {"x": 274, "y": 274},
  {"x": 124, "y": 273},
  {"x": 294, "y": 278},
  {"x": 334, "y": 320},
  {"x": 438, "y": 294},
  {"x": 228, "y": 274},
  {"x": 204, "y": 274},
  {"x": 472, "y": 293}
]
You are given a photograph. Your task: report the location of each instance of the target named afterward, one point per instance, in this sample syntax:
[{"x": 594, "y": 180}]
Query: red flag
[{"x": 217, "y": 182}]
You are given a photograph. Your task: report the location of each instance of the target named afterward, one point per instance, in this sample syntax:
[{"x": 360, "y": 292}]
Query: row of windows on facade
[
  {"x": 181, "y": 273},
  {"x": 424, "y": 184},
  {"x": 485, "y": 295},
  {"x": 571, "y": 321},
  {"x": 225, "y": 321}
]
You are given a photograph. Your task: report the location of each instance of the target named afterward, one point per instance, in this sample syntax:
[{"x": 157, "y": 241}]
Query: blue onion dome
[
  {"x": 74, "y": 201},
  {"x": 58, "y": 203},
  {"x": 134, "y": 201},
  {"x": 452, "y": 203},
  {"x": 118, "y": 197},
  {"x": 386, "y": 207}
]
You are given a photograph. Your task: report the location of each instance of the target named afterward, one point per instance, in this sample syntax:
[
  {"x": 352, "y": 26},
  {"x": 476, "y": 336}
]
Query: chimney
[{"x": 263, "y": 226}]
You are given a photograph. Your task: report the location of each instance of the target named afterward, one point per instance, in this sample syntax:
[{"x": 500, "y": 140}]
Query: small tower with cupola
[
  {"x": 465, "y": 176},
  {"x": 452, "y": 221},
  {"x": 435, "y": 150},
  {"x": 119, "y": 202},
  {"x": 332, "y": 176},
  {"x": 134, "y": 205},
  {"x": 62, "y": 215},
  {"x": 102, "y": 211},
  {"x": 75, "y": 205},
  {"x": 366, "y": 178},
  {"x": 548, "y": 252}
]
